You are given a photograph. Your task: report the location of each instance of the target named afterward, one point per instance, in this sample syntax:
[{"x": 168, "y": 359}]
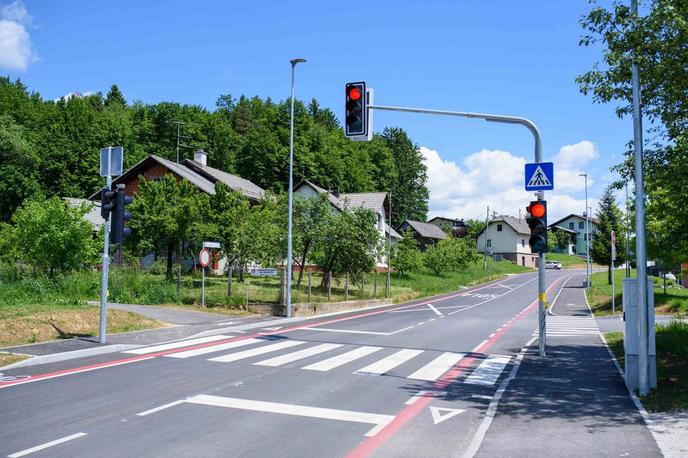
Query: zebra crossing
[
  {"x": 571, "y": 326},
  {"x": 423, "y": 365}
]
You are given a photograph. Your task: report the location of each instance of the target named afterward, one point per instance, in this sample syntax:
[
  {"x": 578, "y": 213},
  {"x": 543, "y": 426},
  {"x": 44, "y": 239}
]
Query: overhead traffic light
[
  {"x": 120, "y": 216},
  {"x": 537, "y": 221},
  {"x": 107, "y": 202},
  {"x": 356, "y": 123}
]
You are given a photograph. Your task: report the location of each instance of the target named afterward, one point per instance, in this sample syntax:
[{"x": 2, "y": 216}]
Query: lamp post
[
  {"x": 587, "y": 234},
  {"x": 291, "y": 185}
]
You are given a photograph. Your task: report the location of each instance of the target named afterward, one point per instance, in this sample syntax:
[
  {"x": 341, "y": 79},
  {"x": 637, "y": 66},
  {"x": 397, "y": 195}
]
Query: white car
[{"x": 553, "y": 265}]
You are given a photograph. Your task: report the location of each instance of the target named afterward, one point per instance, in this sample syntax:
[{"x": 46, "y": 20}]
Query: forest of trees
[{"x": 51, "y": 148}]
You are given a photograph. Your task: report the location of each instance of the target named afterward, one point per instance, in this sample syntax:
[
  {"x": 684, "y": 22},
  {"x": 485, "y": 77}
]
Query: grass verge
[
  {"x": 672, "y": 372},
  {"x": 673, "y": 302},
  {"x": 6, "y": 359},
  {"x": 567, "y": 261}
]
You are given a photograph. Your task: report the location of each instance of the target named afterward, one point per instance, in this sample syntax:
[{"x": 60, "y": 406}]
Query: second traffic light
[
  {"x": 120, "y": 216},
  {"x": 357, "y": 116},
  {"x": 537, "y": 222}
]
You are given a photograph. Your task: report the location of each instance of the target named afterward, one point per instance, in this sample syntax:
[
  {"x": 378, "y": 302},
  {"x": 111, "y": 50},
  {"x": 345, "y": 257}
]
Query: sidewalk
[{"x": 573, "y": 402}]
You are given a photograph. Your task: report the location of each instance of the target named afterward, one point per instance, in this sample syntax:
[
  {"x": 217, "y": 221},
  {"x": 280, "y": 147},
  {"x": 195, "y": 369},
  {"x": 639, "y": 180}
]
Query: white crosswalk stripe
[
  {"x": 257, "y": 351},
  {"x": 295, "y": 356},
  {"x": 340, "y": 360},
  {"x": 488, "y": 371},
  {"x": 387, "y": 364},
  {"x": 437, "y": 367},
  {"x": 214, "y": 348},
  {"x": 571, "y": 326},
  {"x": 173, "y": 345}
]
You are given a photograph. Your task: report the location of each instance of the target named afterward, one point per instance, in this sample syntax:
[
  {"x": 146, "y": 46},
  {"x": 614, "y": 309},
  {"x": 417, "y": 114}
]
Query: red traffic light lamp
[{"x": 537, "y": 222}]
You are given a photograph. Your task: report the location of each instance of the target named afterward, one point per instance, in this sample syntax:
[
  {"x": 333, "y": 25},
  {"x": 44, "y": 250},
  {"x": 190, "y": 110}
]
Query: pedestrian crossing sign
[{"x": 540, "y": 176}]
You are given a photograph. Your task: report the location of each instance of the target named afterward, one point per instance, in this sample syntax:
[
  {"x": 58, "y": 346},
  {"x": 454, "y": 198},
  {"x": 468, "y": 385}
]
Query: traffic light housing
[
  {"x": 356, "y": 111},
  {"x": 537, "y": 222},
  {"x": 107, "y": 202},
  {"x": 120, "y": 217}
]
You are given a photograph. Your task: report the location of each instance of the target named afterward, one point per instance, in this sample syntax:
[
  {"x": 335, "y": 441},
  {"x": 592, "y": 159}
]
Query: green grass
[
  {"x": 427, "y": 284},
  {"x": 672, "y": 371},
  {"x": 674, "y": 302},
  {"x": 567, "y": 261}
]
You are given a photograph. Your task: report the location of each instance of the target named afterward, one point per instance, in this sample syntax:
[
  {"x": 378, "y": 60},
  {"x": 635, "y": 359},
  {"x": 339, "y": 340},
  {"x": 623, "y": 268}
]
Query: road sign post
[
  {"x": 204, "y": 258},
  {"x": 538, "y": 159},
  {"x": 612, "y": 269}
]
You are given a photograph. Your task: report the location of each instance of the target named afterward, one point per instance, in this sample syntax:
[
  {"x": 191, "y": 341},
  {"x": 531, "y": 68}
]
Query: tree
[
  {"x": 406, "y": 257},
  {"x": 658, "y": 43},
  {"x": 115, "y": 97},
  {"x": 353, "y": 244},
  {"x": 310, "y": 220},
  {"x": 19, "y": 168},
  {"x": 409, "y": 192},
  {"x": 52, "y": 235},
  {"x": 610, "y": 219},
  {"x": 474, "y": 227},
  {"x": 558, "y": 240},
  {"x": 449, "y": 254}
]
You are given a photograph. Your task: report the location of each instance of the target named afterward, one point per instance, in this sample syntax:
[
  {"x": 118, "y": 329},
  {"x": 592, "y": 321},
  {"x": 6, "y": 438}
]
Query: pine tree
[
  {"x": 610, "y": 219},
  {"x": 115, "y": 97}
]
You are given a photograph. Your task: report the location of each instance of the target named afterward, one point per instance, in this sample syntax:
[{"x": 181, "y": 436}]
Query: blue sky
[{"x": 500, "y": 56}]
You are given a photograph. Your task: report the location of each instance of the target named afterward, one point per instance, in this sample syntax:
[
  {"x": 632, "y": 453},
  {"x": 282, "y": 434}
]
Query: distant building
[
  {"x": 506, "y": 237},
  {"x": 378, "y": 202},
  {"x": 576, "y": 223},
  {"x": 424, "y": 233},
  {"x": 457, "y": 226},
  {"x": 93, "y": 216},
  {"x": 571, "y": 247}
]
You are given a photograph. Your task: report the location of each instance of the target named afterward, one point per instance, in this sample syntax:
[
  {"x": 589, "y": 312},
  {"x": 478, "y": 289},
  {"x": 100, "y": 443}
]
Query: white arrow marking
[{"x": 439, "y": 417}]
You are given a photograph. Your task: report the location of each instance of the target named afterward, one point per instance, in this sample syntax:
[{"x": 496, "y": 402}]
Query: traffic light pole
[
  {"x": 541, "y": 195},
  {"x": 102, "y": 338}
]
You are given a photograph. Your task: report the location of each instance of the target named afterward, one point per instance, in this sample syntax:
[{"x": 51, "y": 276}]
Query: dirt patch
[
  {"x": 66, "y": 324},
  {"x": 6, "y": 359}
]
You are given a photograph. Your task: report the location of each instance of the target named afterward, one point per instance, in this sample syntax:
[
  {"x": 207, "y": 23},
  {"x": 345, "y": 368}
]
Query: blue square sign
[{"x": 540, "y": 176}]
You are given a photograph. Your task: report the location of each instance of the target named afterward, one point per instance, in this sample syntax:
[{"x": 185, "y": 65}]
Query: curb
[{"x": 67, "y": 355}]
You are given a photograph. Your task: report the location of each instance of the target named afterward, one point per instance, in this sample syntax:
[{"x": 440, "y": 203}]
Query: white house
[
  {"x": 507, "y": 238},
  {"x": 376, "y": 201},
  {"x": 576, "y": 223}
]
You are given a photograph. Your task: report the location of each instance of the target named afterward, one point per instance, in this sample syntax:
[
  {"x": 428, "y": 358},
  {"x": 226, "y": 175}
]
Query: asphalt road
[{"x": 413, "y": 380}]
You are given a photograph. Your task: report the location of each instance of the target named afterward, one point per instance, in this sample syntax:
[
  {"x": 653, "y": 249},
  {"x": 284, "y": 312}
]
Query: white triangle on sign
[
  {"x": 439, "y": 417},
  {"x": 539, "y": 178}
]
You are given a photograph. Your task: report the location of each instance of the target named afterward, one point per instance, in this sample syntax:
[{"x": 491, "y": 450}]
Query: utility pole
[
  {"x": 389, "y": 249},
  {"x": 628, "y": 235},
  {"x": 587, "y": 236},
  {"x": 487, "y": 225},
  {"x": 640, "y": 255}
]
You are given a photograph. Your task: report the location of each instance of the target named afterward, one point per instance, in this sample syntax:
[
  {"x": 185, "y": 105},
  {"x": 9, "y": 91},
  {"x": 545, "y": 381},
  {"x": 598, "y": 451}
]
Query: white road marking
[
  {"x": 434, "y": 309},
  {"x": 295, "y": 356},
  {"x": 488, "y": 371},
  {"x": 347, "y": 331},
  {"x": 158, "y": 409},
  {"x": 491, "y": 299},
  {"x": 422, "y": 393},
  {"x": 437, "y": 367},
  {"x": 379, "y": 420},
  {"x": 257, "y": 351},
  {"x": 38, "y": 448},
  {"x": 422, "y": 322},
  {"x": 439, "y": 417},
  {"x": 340, "y": 360},
  {"x": 180, "y": 344},
  {"x": 214, "y": 348},
  {"x": 402, "y": 330},
  {"x": 389, "y": 363},
  {"x": 481, "y": 396}
]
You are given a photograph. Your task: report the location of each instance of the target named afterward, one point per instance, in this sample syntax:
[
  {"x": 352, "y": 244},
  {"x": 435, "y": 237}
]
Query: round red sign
[{"x": 205, "y": 257}]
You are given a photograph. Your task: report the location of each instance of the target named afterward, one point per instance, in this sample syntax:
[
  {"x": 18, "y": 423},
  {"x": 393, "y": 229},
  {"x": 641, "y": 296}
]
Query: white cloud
[
  {"x": 15, "y": 43},
  {"x": 495, "y": 178}
]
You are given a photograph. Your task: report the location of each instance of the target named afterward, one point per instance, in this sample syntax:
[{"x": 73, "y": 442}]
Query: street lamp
[
  {"x": 291, "y": 185},
  {"x": 587, "y": 234}
]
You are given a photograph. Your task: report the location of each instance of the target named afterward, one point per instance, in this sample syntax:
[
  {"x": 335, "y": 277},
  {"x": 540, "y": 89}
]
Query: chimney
[{"x": 201, "y": 157}]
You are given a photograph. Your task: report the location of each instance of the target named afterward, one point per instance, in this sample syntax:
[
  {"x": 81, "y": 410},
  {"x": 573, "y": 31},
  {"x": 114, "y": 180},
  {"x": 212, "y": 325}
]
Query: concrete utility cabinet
[{"x": 632, "y": 333}]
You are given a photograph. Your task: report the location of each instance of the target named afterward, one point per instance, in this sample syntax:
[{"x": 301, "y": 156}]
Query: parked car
[{"x": 553, "y": 265}]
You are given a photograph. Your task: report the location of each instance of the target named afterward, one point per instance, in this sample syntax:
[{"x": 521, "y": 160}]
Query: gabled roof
[
  {"x": 592, "y": 219},
  {"x": 561, "y": 228},
  {"x": 93, "y": 216},
  {"x": 370, "y": 200},
  {"x": 242, "y": 185},
  {"x": 443, "y": 219},
  {"x": 519, "y": 226},
  {"x": 203, "y": 177},
  {"x": 334, "y": 200},
  {"x": 427, "y": 230}
]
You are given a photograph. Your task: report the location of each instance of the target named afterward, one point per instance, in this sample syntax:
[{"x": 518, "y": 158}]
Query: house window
[
  {"x": 585, "y": 237},
  {"x": 581, "y": 225},
  {"x": 523, "y": 260},
  {"x": 571, "y": 226},
  {"x": 523, "y": 243},
  {"x": 499, "y": 228},
  {"x": 489, "y": 242}
]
